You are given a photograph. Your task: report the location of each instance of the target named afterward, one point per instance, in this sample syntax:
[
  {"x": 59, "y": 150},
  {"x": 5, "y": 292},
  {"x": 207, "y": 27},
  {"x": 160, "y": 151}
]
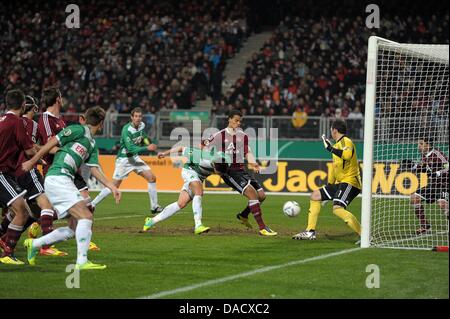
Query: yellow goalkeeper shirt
[{"x": 345, "y": 168}]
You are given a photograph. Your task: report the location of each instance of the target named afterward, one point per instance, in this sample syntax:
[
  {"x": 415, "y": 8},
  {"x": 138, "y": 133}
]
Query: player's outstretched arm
[
  {"x": 176, "y": 150},
  {"x": 28, "y": 165},
  {"x": 98, "y": 174}
]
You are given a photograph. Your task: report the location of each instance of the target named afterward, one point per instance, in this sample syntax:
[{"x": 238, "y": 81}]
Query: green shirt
[
  {"x": 131, "y": 140},
  {"x": 202, "y": 161},
  {"x": 76, "y": 147}
]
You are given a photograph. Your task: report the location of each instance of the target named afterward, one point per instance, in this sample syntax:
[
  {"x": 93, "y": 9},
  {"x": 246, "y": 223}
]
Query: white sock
[
  {"x": 168, "y": 211},
  {"x": 105, "y": 192},
  {"x": 197, "y": 210},
  {"x": 153, "y": 195},
  {"x": 59, "y": 234},
  {"x": 83, "y": 234}
]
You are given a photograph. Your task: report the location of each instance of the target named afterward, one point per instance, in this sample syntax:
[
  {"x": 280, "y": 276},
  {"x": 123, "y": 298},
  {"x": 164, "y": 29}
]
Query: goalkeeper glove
[
  {"x": 327, "y": 143},
  {"x": 432, "y": 174}
]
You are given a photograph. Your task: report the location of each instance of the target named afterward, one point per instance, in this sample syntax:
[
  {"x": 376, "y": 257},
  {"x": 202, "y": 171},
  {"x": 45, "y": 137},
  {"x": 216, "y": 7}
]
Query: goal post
[{"x": 406, "y": 100}]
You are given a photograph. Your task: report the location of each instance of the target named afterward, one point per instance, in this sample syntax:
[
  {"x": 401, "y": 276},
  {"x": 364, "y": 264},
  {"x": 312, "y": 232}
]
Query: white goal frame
[{"x": 369, "y": 132}]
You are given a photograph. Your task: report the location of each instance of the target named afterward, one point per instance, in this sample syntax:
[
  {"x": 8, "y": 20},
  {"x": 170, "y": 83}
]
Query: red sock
[
  {"x": 255, "y": 208},
  {"x": 5, "y": 223},
  {"x": 420, "y": 213},
  {"x": 46, "y": 223},
  {"x": 12, "y": 237}
]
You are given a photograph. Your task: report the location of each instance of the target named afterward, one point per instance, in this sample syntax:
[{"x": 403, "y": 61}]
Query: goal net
[{"x": 405, "y": 167}]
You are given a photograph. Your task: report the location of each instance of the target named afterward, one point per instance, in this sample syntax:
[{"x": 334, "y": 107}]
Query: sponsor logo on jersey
[{"x": 80, "y": 150}]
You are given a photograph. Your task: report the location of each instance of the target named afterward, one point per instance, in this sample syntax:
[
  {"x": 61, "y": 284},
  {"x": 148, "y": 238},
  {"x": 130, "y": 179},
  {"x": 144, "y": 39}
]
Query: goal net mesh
[{"x": 411, "y": 104}]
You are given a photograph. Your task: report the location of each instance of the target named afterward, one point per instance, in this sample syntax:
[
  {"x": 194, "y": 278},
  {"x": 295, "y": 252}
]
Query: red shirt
[
  {"x": 235, "y": 144},
  {"x": 13, "y": 140},
  {"x": 31, "y": 128},
  {"x": 49, "y": 125}
]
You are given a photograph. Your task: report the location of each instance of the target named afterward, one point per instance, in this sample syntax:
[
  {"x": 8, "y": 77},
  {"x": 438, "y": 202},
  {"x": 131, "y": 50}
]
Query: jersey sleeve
[
  {"x": 93, "y": 158},
  {"x": 214, "y": 140},
  {"x": 69, "y": 134},
  {"x": 129, "y": 145},
  {"x": 348, "y": 149}
]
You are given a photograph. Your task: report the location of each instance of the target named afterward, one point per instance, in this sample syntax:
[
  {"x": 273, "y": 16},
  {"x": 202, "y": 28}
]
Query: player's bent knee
[
  {"x": 315, "y": 195},
  {"x": 442, "y": 203},
  {"x": 19, "y": 207},
  {"x": 338, "y": 206},
  {"x": 414, "y": 199}
]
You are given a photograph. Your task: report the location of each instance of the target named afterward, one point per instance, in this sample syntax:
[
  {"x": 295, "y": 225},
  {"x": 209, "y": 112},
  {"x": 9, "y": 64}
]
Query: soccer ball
[{"x": 291, "y": 209}]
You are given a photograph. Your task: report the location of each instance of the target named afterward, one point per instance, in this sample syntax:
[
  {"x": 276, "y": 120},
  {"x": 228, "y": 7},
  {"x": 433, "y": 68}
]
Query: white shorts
[
  {"x": 125, "y": 165},
  {"x": 189, "y": 176},
  {"x": 62, "y": 194}
]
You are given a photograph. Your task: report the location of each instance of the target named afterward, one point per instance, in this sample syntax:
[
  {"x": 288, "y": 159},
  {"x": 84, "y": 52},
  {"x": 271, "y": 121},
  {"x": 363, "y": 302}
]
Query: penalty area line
[{"x": 247, "y": 274}]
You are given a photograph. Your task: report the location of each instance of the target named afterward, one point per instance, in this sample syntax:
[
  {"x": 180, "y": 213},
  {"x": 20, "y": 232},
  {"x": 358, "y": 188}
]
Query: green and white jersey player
[
  {"x": 76, "y": 146},
  {"x": 199, "y": 165},
  {"x": 133, "y": 140}
]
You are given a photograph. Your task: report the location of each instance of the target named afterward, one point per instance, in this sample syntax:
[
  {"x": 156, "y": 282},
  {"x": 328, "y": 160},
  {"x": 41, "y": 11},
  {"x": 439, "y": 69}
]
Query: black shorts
[
  {"x": 80, "y": 182},
  {"x": 239, "y": 180},
  {"x": 342, "y": 194},
  {"x": 9, "y": 190},
  {"x": 33, "y": 182},
  {"x": 432, "y": 193}
]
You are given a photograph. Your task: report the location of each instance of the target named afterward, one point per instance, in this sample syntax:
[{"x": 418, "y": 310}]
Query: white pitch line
[{"x": 247, "y": 274}]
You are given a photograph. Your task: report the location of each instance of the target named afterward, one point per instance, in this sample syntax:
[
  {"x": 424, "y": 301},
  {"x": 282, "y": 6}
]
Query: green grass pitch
[{"x": 172, "y": 257}]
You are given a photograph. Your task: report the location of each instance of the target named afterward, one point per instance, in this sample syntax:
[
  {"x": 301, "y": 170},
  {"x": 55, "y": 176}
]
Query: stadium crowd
[
  {"x": 163, "y": 54},
  {"x": 315, "y": 62}
]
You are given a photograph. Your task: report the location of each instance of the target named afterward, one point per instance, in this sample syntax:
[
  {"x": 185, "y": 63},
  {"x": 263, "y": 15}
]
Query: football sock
[
  {"x": 168, "y": 211},
  {"x": 5, "y": 223},
  {"x": 313, "y": 214},
  {"x": 255, "y": 209},
  {"x": 83, "y": 235},
  {"x": 59, "y": 234},
  {"x": 197, "y": 210},
  {"x": 13, "y": 235},
  {"x": 101, "y": 196},
  {"x": 153, "y": 195},
  {"x": 46, "y": 222},
  {"x": 245, "y": 212},
  {"x": 420, "y": 213},
  {"x": 348, "y": 218}
]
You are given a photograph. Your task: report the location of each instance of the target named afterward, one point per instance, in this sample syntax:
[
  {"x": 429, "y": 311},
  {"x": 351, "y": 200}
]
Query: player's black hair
[
  {"x": 234, "y": 113},
  {"x": 427, "y": 139},
  {"x": 30, "y": 103},
  {"x": 340, "y": 126},
  {"x": 50, "y": 95},
  {"x": 94, "y": 115},
  {"x": 14, "y": 99}
]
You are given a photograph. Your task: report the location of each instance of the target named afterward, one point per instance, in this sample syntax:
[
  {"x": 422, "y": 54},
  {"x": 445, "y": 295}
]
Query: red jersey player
[
  {"x": 13, "y": 140},
  {"x": 234, "y": 142},
  {"x": 435, "y": 164}
]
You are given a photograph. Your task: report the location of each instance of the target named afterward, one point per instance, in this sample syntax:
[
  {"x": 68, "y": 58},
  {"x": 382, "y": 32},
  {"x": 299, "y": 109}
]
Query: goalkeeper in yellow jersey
[{"x": 344, "y": 182}]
